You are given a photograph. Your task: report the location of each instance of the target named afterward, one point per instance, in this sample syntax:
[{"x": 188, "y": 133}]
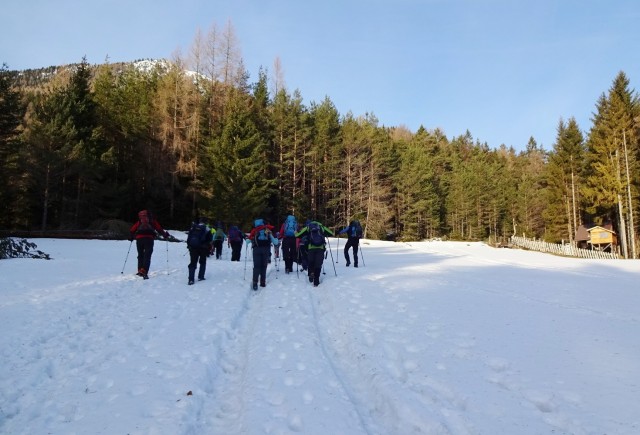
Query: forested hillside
[{"x": 84, "y": 144}]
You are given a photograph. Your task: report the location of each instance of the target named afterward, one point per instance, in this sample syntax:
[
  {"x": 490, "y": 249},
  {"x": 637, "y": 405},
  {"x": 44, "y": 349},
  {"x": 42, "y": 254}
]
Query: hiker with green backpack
[{"x": 316, "y": 234}]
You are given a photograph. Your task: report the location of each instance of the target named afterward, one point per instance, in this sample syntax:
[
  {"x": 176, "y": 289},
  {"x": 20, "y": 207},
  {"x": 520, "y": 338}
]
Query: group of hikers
[{"x": 304, "y": 244}]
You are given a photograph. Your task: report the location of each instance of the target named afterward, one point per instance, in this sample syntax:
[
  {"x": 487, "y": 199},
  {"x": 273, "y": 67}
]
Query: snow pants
[
  {"x": 236, "y": 250},
  {"x": 197, "y": 256},
  {"x": 261, "y": 256},
  {"x": 144, "y": 245},
  {"x": 352, "y": 242},
  {"x": 316, "y": 257},
  {"x": 289, "y": 252}
]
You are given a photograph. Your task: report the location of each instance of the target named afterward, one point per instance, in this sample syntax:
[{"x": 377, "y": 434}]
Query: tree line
[{"x": 192, "y": 136}]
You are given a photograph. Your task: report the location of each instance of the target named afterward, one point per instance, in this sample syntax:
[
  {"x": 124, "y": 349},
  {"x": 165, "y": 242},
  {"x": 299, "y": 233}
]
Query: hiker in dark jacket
[
  {"x": 144, "y": 232},
  {"x": 354, "y": 233},
  {"x": 199, "y": 244},
  {"x": 316, "y": 233},
  {"x": 235, "y": 241},
  {"x": 261, "y": 240}
]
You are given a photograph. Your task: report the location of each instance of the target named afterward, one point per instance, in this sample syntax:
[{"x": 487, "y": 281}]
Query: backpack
[
  {"x": 219, "y": 235},
  {"x": 197, "y": 237},
  {"x": 261, "y": 237},
  {"x": 316, "y": 234},
  {"x": 234, "y": 234},
  {"x": 290, "y": 226},
  {"x": 356, "y": 229},
  {"x": 145, "y": 219}
]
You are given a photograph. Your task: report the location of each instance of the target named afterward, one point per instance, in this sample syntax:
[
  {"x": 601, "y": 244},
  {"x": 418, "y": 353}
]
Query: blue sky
[{"x": 505, "y": 70}]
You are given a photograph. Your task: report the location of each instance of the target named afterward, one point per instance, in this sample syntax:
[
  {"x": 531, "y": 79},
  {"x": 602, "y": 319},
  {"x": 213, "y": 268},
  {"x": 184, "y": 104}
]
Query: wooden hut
[{"x": 602, "y": 239}]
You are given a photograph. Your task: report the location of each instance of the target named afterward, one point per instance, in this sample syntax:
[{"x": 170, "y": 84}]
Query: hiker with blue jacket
[
  {"x": 316, "y": 234},
  {"x": 354, "y": 233},
  {"x": 288, "y": 237},
  {"x": 261, "y": 238},
  {"x": 199, "y": 243}
]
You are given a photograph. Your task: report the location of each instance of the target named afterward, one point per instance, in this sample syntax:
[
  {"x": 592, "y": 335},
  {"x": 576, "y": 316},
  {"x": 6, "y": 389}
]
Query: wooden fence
[{"x": 568, "y": 249}]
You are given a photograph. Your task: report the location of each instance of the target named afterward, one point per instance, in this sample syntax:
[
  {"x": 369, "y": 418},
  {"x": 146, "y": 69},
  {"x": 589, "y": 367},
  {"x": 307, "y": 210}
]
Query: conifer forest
[{"x": 83, "y": 146}]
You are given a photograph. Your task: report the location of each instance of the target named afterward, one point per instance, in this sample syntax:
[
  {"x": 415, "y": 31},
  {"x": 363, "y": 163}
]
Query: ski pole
[
  {"x": 334, "y": 266},
  {"x": 338, "y": 250},
  {"x": 127, "y": 257},
  {"x": 362, "y": 256}
]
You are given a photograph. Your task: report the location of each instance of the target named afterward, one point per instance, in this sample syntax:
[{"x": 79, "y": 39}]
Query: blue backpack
[
  {"x": 262, "y": 234},
  {"x": 290, "y": 226}
]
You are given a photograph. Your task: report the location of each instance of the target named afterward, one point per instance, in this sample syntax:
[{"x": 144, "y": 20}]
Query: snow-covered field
[{"x": 426, "y": 338}]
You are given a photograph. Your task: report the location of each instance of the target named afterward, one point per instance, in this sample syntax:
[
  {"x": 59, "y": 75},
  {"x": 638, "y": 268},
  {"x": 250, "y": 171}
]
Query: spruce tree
[
  {"x": 606, "y": 187},
  {"x": 11, "y": 114}
]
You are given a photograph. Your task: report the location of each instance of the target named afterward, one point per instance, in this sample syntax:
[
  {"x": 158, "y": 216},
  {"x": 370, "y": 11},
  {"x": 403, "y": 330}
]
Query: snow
[{"x": 422, "y": 338}]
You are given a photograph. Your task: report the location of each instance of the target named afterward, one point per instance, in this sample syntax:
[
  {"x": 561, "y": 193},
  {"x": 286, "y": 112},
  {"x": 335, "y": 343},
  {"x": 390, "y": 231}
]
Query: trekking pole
[
  {"x": 334, "y": 266},
  {"x": 167, "y": 256},
  {"x": 246, "y": 251},
  {"x": 338, "y": 251},
  {"x": 362, "y": 256},
  {"x": 297, "y": 262},
  {"x": 127, "y": 257}
]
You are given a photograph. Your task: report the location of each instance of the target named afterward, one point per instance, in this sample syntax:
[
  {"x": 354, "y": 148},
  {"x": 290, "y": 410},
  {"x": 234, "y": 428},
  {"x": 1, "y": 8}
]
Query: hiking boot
[
  {"x": 316, "y": 284},
  {"x": 145, "y": 276},
  {"x": 263, "y": 284},
  {"x": 141, "y": 272},
  {"x": 355, "y": 265},
  {"x": 201, "y": 279},
  {"x": 255, "y": 286},
  {"x": 349, "y": 264},
  {"x": 311, "y": 277},
  {"x": 190, "y": 282}
]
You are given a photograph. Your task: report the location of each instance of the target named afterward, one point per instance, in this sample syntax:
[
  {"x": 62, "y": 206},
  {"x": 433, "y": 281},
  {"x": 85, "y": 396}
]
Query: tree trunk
[
  {"x": 45, "y": 201},
  {"x": 632, "y": 234}
]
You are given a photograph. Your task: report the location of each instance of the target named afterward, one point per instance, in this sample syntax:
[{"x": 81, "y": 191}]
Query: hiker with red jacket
[{"x": 144, "y": 232}]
